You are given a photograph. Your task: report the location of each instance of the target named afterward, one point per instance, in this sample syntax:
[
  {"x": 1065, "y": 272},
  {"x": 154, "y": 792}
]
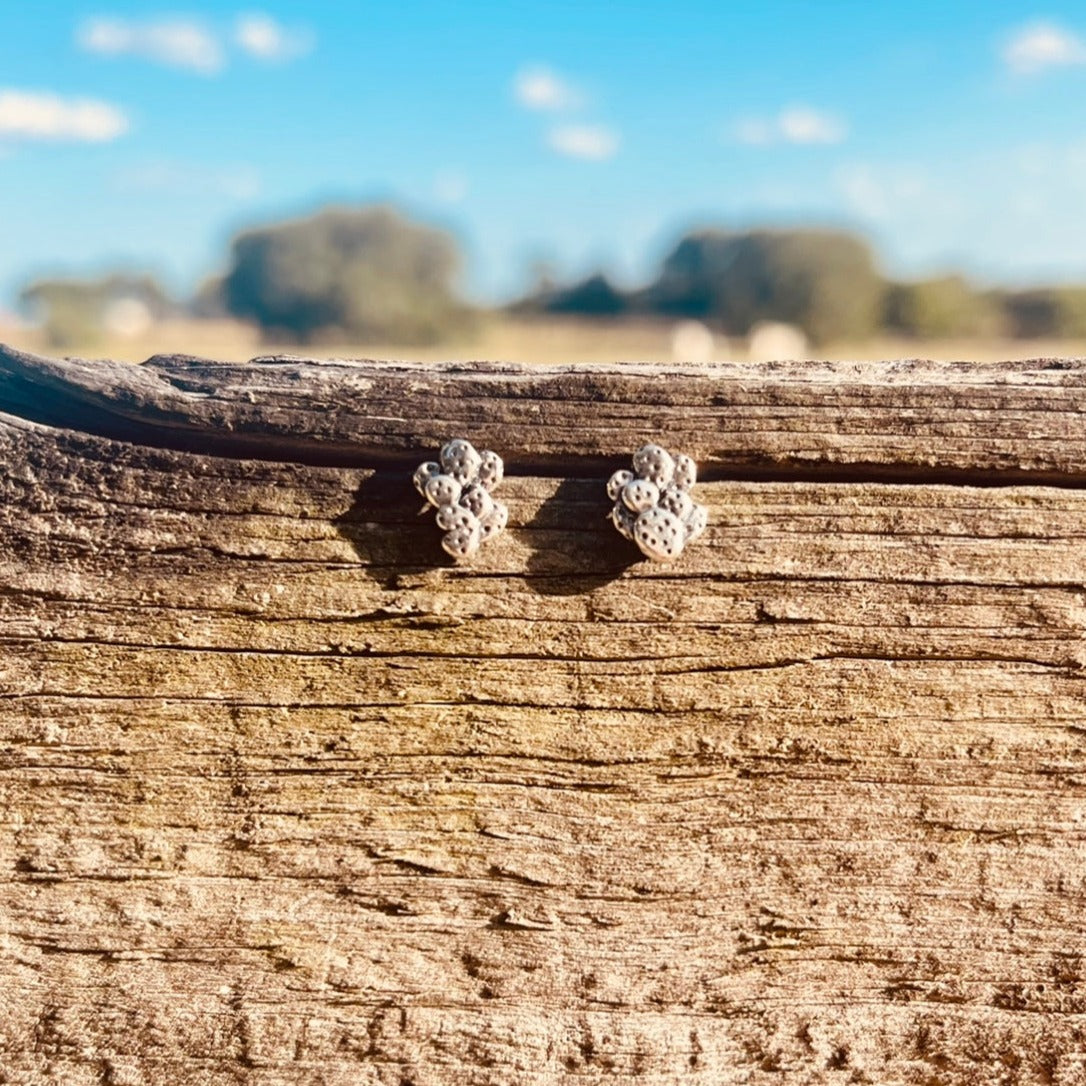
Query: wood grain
[
  {"x": 287, "y": 797},
  {"x": 905, "y": 421}
]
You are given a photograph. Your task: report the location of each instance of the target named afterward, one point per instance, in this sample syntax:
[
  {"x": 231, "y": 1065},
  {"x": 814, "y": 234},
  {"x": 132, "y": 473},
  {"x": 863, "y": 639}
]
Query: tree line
[{"x": 369, "y": 274}]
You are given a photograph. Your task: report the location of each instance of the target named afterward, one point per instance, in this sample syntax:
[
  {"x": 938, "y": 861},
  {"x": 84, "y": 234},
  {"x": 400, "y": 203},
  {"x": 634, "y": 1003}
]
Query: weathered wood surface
[
  {"x": 286, "y": 797},
  {"x": 884, "y": 421}
]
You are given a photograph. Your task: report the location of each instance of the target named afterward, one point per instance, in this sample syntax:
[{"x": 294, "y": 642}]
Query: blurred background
[{"x": 546, "y": 182}]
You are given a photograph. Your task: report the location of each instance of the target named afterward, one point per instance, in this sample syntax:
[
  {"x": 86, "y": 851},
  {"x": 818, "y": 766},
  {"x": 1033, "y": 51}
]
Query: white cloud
[
  {"x": 592, "y": 142},
  {"x": 262, "y": 37},
  {"x": 795, "y": 124},
  {"x": 187, "y": 179},
  {"x": 540, "y": 88},
  {"x": 191, "y": 44},
  {"x": 177, "y": 43},
  {"x": 801, "y": 124},
  {"x": 36, "y": 116},
  {"x": 1043, "y": 45}
]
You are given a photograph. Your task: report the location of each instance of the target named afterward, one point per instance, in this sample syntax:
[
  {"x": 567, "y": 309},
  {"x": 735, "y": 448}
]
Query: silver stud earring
[
  {"x": 653, "y": 506},
  {"x": 459, "y": 487}
]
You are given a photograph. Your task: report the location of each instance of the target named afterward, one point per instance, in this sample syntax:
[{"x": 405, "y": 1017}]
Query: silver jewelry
[
  {"x": 459, "y": 487},
  {"x": 653, "y": 506}
]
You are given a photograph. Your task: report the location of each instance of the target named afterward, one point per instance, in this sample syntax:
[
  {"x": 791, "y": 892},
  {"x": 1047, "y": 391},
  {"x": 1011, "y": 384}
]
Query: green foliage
[
  {"x": 73, "y": 312},
  {"x": 943, "y": 308},
  {"x": 1071, "y": 306},
  {"x": 1046, "y": 313},
  {"x": 362, "y": 273},
  {"x": 595, "y": 296},
  {"x": 823, "y": 281}
]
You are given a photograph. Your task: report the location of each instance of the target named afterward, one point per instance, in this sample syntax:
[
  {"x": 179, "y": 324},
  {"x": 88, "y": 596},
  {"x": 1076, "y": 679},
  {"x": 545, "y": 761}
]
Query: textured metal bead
[
  {"x": 686, "y": 472},
  {"x": 660, "y": 534},
  {"x": 491, "y": 470},
  {"x": 443, "y": 490},
  {"x": 623, "y": 520},
  {"x": 640, "y": 494},
  {"x": 460, "y": 460},
  {"x": 423, "y": 474},
  {"x": 461, "y": 542},
  {"x": 477, "y": 498},
  {"x": 676, "y": 501},
  {"x": 451, "y": 517},
  {"x": 494, "y": 522},
  {"x": 696, "y": 522},
  {"x": 617, "y": 483},
  {"x": 655, "y": 463}
]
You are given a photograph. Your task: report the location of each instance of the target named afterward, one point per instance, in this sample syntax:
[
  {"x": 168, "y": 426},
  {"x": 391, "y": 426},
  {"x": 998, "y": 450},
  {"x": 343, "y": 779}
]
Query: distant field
[{"x": 553, "y": 340}]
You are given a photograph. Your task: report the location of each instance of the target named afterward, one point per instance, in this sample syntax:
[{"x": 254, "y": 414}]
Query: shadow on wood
[
  {"x": 391, "y": 529},
  {"x": 576, "y": 548}
]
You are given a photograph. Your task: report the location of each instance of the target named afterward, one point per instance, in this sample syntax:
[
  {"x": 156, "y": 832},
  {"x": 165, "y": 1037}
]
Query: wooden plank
[
  {"x": 286, "y": 797},
  {"x": 890, "y": 421}
]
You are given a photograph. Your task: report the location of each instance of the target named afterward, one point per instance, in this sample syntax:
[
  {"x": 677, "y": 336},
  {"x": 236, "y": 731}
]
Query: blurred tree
[
  {"x": 363, "y": 273},
  {"x": 77, "y": 312},
  {"x": 1046, "y": 313},
  {"x": 209, "y": 301},
  {"x": 823, "y": 281},
  {"x": 941, "y": 308},
  {"x": 595, "y": 296},
  {"x": 1071, "y": 305},
  {"x": 541, "y": 273}
]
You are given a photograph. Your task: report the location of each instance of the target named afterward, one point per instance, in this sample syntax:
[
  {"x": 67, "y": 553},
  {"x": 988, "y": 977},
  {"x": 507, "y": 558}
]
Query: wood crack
[{"x": 188, "y": 405}]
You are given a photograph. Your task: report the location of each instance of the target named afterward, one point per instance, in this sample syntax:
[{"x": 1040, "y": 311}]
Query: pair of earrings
[{"x": 652, "y": 503}]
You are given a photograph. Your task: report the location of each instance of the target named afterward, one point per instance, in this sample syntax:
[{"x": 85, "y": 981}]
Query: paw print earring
[
  {"x": 653, "y": 506},
  {"x": 460, "y": 488}
]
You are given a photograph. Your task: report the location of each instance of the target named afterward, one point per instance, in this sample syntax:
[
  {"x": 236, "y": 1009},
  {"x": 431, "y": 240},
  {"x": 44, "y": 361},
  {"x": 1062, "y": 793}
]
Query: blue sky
[{"x": 581, "y": 133}]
